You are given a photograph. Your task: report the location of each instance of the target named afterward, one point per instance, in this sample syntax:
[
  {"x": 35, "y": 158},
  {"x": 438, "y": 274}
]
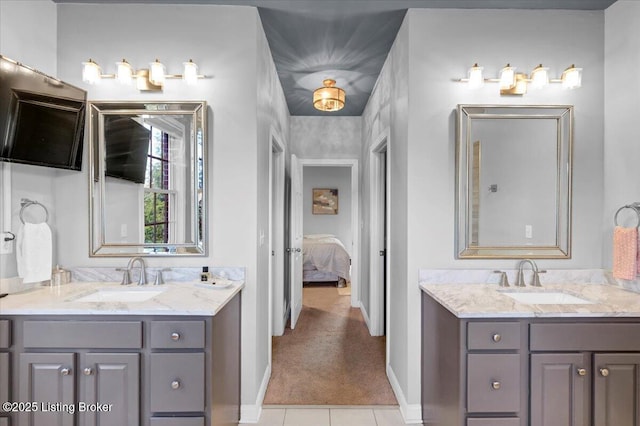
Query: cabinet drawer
[
  {"x": 177, "y": 382},
  {"x": 177, "y": 421},
  {"x": 585, "y": 337},
  {"x": 83, "y": 334},
  {"x": 493, "y": 383},
  {"x": 510, "y": 421},
  {"x": 177, "y": 334},
  {"x": 5, "y": 333},
  {"x": 493, "y": 335}
]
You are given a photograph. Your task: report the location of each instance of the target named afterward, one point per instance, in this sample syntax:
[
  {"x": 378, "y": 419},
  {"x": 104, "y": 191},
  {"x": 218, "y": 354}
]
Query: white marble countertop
[
  {"x": 488, "y": 301},
  {"x": 176, "y": 298}
]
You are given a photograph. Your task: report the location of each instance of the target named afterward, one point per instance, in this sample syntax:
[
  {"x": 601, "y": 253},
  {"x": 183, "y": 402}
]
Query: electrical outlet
[{"x": 528, "y": 231}]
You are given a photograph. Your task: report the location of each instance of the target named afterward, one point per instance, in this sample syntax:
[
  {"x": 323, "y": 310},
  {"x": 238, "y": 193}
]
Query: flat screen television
[{"x": 41, "y": 118}]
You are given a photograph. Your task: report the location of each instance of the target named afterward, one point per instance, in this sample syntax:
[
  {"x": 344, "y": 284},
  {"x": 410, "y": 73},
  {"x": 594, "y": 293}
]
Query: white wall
[
  {"x": 273, "y": 119},
  {"x": 338, "y": 225},
  {"x": 387, "y": 112},
  {"x": 441, "y": 45},
  {"x": 326, "y": 137},
  {"x": 28, "y": 35},
  {"x": 621, "y": 149}
]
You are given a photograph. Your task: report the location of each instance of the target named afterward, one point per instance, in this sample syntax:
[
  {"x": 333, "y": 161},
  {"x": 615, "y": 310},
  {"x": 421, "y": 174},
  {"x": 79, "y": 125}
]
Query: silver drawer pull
[
  {"x": 87, "y": 371},
  {"x": 175, "y": 336},
  {"x": 65, "y": 371},
  {"x": 496, "y": 337},
  {"x": 582, "y": 372},
  {"x": 175, "y": 384},
  {"x": 496, "y": 385},
  {"x": 604, "y": 372}
]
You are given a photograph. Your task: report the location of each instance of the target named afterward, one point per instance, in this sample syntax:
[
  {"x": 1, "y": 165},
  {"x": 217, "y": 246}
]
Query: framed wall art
[{"x": 325, "y": 201}]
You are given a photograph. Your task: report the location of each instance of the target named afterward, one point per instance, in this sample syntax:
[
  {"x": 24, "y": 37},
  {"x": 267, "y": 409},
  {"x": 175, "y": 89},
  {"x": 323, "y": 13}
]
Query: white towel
[{"x": 34, "y": 252}]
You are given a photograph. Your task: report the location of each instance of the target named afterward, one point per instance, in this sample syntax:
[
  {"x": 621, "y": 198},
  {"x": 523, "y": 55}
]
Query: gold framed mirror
[
  {"x": 147, "y": 185},
  {"x": 513, "y": 180}
]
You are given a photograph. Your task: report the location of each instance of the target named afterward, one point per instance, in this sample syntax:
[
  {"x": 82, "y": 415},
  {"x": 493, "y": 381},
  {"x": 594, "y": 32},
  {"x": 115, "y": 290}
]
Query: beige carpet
[{"x": 330, "y": 358}]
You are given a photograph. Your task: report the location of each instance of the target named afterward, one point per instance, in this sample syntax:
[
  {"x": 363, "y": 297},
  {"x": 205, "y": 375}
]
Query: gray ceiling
[{"x": 347, "y": 40}]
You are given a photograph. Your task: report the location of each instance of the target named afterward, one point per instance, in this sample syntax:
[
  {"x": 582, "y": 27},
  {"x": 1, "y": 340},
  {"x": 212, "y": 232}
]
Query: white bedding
[{"x": 327, "y": 254}]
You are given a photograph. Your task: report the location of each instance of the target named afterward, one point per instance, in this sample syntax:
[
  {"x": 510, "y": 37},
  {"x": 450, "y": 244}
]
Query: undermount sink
[
  {"x": 546, "y": 298},
  {"x": 121, "y": 295}
]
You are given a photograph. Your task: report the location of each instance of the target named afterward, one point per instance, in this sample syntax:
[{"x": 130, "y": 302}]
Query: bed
[{"x": 325, "y": 259}]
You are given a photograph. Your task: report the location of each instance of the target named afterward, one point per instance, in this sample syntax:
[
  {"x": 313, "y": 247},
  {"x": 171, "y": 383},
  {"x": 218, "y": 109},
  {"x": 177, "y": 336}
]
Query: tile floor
[{"x": 330, "y": 416}]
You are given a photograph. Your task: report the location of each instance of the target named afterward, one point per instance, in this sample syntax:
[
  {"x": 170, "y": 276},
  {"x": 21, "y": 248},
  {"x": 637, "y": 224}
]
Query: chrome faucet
[
  {"x": 535, "y": 280},
  {"x": 143, "y": 271}
]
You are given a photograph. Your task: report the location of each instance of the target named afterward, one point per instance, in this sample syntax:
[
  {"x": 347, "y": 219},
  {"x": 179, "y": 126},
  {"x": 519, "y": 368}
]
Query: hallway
[{"x": 330, "y": 358}]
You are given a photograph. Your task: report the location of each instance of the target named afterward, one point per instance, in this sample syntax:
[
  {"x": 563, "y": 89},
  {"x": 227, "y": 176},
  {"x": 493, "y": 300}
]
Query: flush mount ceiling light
[
  {"x": 329, "y": 97},
  {"x": 147, "y": 79},
  {"x": 515, "y": 83}
]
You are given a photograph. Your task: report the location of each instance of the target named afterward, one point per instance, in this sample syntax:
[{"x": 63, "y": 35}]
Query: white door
[{"x": 295, "y": 243}]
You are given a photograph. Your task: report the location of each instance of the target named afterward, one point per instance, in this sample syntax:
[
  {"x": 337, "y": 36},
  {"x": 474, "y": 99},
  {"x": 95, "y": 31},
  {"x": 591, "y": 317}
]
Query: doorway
[
  {"x": 379, "y": 255},
  {"x": 297, "y": 228}
]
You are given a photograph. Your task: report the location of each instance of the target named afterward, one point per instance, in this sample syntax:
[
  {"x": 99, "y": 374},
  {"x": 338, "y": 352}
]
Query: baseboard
[
  {"x": 250, "y": 413},
  {"x": 365, "y": 315},
  {"x": 287, "y": 314},
  {"x": 411, "y": 413}
]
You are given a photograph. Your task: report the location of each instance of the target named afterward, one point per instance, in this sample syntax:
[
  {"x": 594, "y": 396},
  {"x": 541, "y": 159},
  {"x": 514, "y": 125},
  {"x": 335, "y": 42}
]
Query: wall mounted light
[
  {"x": 516, "y": 83},
  {"x": 147, "y": 79}
]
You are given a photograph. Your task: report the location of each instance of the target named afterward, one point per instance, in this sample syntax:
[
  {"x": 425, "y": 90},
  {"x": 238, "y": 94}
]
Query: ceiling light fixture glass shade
[
  {"x": 124, "y": 72},
  {"x": 572, "y": 77},
  {"x": 476, "y": 79},
  {"x": 91, "y": 72},
  {"x": 539, "y": 77},
  {"x": 328, "y": 98},
  {"x": 190, "y": 74},
  {"x": 507, "y": 77},
  {"x": 157, "y": 73}
]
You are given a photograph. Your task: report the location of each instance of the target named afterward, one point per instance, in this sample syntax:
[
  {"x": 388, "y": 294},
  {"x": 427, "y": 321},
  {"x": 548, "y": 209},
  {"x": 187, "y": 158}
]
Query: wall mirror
[
  {"x": 513, "y": 181},
  {"x": 147, "y": 179}
]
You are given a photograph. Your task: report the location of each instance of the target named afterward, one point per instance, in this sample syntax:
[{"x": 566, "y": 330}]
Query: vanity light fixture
[
  {"x": 507, "y": 77},
  {"x": 147, "y": 79},
  {"x": 476, "y": 79},
  {"x": 329, "y": 97},
  {"x": 516, "y": 83}
]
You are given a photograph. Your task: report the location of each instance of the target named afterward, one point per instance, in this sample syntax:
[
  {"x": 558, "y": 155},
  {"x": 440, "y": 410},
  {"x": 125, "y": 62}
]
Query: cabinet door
[
  {"x": 616, "y": 391},
  {"x": 109, "y": 388},
  {"x": 560, "y": 389},
  {"x": 48, "y": 380},
  {"x": 4, "y": 377}
]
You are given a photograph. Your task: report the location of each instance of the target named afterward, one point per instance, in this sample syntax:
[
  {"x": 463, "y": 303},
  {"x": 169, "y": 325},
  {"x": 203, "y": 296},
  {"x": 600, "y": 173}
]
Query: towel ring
[
  {"x": 26, "y": 203},
  {"x": 635, "y": 207}
]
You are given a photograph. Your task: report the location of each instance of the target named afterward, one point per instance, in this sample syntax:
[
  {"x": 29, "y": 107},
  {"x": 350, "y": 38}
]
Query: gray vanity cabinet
[
  {"x": 5, "y": 377},
  {"x": 529, "y": 371},
  {"x": 616, "y": 390},
  {"x": 122, "y": 370}
]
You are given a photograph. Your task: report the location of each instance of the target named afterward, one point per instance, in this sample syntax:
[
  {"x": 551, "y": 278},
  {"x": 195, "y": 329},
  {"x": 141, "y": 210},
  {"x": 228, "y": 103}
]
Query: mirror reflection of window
[{"x": 157, "y": 193}]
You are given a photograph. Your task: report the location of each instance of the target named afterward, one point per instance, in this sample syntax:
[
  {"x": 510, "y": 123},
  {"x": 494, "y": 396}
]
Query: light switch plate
[{"x": 6, "y": 247}]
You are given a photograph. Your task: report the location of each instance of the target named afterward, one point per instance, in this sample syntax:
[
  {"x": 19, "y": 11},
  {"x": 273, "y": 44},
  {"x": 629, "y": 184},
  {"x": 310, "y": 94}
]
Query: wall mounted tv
[{"x": 41, "y": 118}]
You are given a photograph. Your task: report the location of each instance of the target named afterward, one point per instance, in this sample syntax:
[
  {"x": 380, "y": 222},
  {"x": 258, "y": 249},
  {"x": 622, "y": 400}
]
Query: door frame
[
  {"x": 277, "y": 314},
  {"x": 377, "y": 289},
  {"x": 355, "y": 216}
]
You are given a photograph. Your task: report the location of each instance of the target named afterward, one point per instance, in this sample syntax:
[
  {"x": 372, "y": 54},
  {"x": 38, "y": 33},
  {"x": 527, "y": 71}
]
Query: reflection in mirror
[
  {"x": 514, "y": 181},
  {"x": 148, "y": 178}
]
